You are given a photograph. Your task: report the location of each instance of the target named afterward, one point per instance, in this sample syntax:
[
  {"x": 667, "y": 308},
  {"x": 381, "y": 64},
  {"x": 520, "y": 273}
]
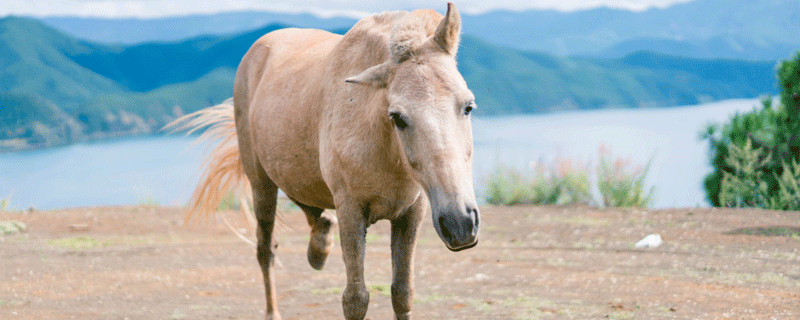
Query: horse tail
[{"x": 223, "y": 173}]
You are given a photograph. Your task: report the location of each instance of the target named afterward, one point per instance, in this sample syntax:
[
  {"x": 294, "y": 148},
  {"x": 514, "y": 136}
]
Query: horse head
[{"x": 429, "y": 106}]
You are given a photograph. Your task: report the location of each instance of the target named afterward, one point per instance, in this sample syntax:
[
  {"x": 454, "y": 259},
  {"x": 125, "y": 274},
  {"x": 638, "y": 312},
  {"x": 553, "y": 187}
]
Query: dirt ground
[{"x": 531, "y": 263}]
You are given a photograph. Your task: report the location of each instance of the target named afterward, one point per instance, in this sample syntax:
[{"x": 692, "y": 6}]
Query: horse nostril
[
  {"x": 475, "y": 218},
  {"x": 445, "y": 232}
]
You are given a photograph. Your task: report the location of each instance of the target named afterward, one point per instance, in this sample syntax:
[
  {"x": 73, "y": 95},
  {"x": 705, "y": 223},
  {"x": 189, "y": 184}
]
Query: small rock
[
  {"x": 650, "y": 241},
  {"x": 478, "y": 277}
]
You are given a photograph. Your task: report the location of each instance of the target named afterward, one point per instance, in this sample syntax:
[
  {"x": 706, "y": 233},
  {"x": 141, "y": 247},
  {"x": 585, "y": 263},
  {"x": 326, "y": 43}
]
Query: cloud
[{"x": 351, "y": 8}]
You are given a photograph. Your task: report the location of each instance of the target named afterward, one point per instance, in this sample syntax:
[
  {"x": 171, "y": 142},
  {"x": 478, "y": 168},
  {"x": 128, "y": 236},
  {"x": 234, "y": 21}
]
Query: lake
[{"x": 163, "y": 170}]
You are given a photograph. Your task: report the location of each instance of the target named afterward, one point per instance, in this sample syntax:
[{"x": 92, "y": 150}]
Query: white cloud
[{"x": 353, "y": 8}]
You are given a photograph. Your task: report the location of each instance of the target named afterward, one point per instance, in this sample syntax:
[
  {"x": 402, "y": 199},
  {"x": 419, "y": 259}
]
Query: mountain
[
  {"x": 147, "y": 66},
  {"x": 739, "y": 29},
  {"x": 511, "y": 81},
  {"x": 59, "y": 89},
  {"x": 37, "y": 59},
  {"x": 132, "y": 31}
]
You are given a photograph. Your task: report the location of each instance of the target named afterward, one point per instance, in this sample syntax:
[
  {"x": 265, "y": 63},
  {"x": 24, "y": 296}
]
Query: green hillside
[
  {"x": 56, "y": 89},
  {"x": 510, "y": 81},
  {"x": 35, "y": 60},
  {"x": 148, "y": 66}
]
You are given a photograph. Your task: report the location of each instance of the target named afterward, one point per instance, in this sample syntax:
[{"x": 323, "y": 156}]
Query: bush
[
  {"x": 619, "y": 186},
  {"x": 508, "y": 186},
  {"x": 565, "y": 183},
  {"x": 745, "y": 187},
  {"x": 788, "y": 197},
  {"x": 560, "y": 183},
  {"x": 574, "y": 182},
  {"x": 773, "y": 131}
]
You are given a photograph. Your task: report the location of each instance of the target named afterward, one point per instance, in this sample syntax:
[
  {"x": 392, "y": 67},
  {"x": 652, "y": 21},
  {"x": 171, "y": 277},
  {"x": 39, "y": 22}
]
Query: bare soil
[{"x": 532, "y": 262}]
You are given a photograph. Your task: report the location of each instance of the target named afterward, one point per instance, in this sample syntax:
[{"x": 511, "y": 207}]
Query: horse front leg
[
  {"x": 404, "y": 240},
  {"x": 353, "y": 232},
  {"x": 264, "y": 202}
]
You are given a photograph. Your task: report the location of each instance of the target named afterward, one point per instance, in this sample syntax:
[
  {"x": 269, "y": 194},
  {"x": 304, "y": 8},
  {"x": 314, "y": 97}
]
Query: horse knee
[
  {"x": 355, "y": 302},
  {"x": 266, "y": 253}
]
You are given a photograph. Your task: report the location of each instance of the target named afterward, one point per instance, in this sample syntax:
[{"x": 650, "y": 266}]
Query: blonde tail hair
[{"x": 223, "y": 171}]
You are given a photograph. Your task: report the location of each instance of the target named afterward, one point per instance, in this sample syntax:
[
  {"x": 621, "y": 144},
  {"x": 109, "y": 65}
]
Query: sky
[{"x": 323, "y": 8}]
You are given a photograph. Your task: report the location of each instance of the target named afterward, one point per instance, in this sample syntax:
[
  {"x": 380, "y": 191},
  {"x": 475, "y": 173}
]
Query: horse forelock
[{"x": 410, "y": 32}]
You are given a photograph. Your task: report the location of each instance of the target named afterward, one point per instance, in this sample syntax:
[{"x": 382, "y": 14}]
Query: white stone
[{"x": 650, "y": 241}]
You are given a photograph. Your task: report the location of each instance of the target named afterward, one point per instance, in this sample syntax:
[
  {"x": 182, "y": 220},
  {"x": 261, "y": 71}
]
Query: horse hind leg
[
  {"x": 265, "y": 198},
  {"x": 321, "y": 240}
]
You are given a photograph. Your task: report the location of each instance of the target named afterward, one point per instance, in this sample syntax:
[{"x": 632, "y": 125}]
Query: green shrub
[
  {"x": 562, "y": 183},
  {"x": 773, "y": 130},
  {"x": 788, "y": 196},
  {"x": 745, "y": 186},
  {"x": 574, "y": 182},
  {"x": 508, "y": 186},
  {"x": 620, "y": 186}
]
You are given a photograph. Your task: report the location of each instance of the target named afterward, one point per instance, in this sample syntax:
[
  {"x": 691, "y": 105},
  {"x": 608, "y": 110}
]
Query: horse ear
[
  {"x": 374, "y": 76},
  {"x": 448, "y": 33}
]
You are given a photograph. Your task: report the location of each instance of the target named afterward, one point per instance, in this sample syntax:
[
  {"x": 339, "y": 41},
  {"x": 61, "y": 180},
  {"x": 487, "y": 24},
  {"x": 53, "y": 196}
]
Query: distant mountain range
[
  {"x": 133, "y": 31},
  {"x": 57, "y": 89},
  {"x": 740, "y": 29}
]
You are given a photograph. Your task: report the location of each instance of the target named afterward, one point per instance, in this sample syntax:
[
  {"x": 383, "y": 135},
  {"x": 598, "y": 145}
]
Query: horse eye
[
  {"x": 468, "y": 109},
  {"x": 398, "y": 120}
]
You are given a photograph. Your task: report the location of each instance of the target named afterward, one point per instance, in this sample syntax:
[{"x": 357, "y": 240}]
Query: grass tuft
[
  {"x": 566, "y": 182},
  {"x": 621, "y": 184},
  {"x": 561, "y": 183}
]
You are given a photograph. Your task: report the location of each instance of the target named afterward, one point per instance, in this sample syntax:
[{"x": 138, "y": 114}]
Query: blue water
[
  {"x": 164, "y": 169},
  {"x": 125, "y": 171}
]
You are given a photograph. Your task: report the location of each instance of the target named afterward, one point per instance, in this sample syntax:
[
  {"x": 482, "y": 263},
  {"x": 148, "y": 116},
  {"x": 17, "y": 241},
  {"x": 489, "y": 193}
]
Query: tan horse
[{"x": 374, "y": 124}]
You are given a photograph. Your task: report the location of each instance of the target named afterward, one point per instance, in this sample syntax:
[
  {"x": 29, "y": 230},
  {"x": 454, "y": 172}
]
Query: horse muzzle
[{"x": 458, "y": 228}]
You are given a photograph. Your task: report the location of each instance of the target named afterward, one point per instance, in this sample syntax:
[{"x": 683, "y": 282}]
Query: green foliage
[
  {"x": 560, "y": 184},
  {"x": 619, "y": 185},
  {"x": 508, "y": 186},
  {"x": 575, "y": 186},
  {"x": 775, "y": 131},
  {"x": 745, "y": 187},
  {"x": 788, "y": 196},
  {"x": 564, "y": 183}
]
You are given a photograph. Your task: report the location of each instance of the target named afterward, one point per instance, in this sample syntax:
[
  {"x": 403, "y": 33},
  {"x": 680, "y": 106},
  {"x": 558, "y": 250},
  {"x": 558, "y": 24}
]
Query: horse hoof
[
  {"x": 275, "y": 316},
  {"x": 321, "y": 242}
]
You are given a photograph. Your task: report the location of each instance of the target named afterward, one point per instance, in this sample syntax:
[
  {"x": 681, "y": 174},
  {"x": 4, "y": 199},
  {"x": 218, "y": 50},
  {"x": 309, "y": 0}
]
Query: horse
[{"x": 374, "y": 123}]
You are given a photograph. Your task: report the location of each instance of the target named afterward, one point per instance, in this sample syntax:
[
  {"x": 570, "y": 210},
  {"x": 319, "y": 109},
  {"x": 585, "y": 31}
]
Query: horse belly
[{"x": 285, "y": 137}]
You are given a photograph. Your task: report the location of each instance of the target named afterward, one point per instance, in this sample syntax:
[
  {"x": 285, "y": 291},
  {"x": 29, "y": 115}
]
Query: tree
[{"x": 772, "y": 131}]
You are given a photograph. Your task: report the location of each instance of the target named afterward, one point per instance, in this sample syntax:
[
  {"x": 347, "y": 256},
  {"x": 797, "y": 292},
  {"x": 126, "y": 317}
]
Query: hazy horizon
[{"x": 152, "y": 9}]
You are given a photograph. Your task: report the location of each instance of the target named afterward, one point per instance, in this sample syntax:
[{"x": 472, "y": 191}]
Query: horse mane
[{"x": 401, "y": 33}]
